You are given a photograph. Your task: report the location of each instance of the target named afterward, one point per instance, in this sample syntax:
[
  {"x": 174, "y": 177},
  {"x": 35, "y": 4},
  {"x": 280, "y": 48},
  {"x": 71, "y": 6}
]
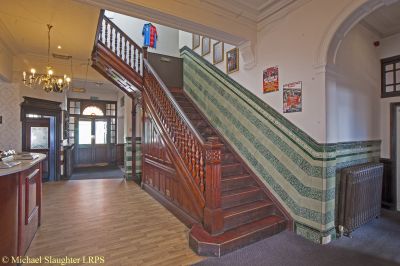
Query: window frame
[{"x": 384, "y": 62}]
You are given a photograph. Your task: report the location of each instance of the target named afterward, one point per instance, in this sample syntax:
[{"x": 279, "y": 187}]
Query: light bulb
[
  {"x": 68, "y": 79},
  {"x": 24, "y": 75},
  {"x": 59, "y": 81},
  {"x": 50, "y": 72},
  {"x": 33, "y": 71}
]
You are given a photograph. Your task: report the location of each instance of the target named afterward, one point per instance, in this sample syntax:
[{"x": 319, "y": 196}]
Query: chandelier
[{"x": 48, "y": 81}]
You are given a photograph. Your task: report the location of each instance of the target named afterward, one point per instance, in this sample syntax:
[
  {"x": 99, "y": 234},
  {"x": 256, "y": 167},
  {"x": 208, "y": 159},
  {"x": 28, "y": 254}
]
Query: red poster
[{"x": 271, "y": 79}]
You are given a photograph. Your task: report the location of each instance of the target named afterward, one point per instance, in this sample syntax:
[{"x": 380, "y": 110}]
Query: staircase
[
  {"x": 248, "y": 212},
  {"x": 187, "y": 164}
]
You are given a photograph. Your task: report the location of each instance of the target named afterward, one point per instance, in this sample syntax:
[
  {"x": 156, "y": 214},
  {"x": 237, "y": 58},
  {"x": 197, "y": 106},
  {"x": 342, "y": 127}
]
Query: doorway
[
  {"x": 92, "y": 126},
  {"x": 395, "y": 153},
  {"x": 93, "y": 145},
  {"x": 41, "y": 133}
]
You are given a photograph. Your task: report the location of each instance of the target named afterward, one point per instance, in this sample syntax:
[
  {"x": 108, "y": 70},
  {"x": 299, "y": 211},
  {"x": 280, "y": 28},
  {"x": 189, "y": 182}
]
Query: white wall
[
  {"x": 356, "y": 98},
  {"x": 168, "y": 38},
  {"x": 291, "y": 42},
  {"x": 389, "y": 47}
]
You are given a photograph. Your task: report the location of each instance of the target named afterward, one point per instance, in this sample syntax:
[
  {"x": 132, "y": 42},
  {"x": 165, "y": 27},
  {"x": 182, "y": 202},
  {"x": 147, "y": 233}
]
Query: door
[
  {"x": 93, "y": 144},
  {"x": 39, "y": 137}
]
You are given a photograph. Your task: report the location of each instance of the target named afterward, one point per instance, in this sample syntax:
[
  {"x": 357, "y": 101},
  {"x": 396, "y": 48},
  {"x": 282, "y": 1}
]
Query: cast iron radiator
[{"x": 360, "y": 195}]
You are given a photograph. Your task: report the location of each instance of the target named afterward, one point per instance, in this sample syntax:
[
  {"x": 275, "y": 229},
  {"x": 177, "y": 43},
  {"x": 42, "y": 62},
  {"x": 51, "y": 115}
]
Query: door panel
[
  {"x": 93, "y": 142},
  {"x": 38, "y": 140}
]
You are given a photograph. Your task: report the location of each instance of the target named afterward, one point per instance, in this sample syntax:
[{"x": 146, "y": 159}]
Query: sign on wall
[
  {"x": 271, "y": 79},
  {"x": 292, "y": 97}
]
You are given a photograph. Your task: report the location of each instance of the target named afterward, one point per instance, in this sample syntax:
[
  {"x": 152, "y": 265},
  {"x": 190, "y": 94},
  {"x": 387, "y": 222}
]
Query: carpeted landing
[
  {"x": 101, "y": 172},
  {"x": 375, "y": 244}
]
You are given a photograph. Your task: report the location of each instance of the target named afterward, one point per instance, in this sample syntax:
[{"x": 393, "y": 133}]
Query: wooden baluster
[
  {"x": 126, "y": 50},
  {"x": 213, "y": 218},
  {"x": 201, "y": 171},
  {"x": 134, "y": 58},
  {"x": 106, "y": 34},
  {"x": 111, "y": 38},
  {"x": 101, "y": 31},
  {"x": 120, "y": 45},
  {"x": 197, "y": 166},
  {"x": 130, "y": 55},
  {"x": 115, "y": 41}
]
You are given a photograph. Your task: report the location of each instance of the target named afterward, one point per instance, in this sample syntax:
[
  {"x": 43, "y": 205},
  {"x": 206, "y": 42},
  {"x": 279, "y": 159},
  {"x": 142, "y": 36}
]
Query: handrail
[
  {"x": 173, "y": 101},
  {"x": 188, "y": 142},
  {"x": 120, "y": 44}
]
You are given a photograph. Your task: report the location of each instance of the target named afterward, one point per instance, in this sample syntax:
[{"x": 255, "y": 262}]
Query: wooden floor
[{"x": 110, "y": 218}]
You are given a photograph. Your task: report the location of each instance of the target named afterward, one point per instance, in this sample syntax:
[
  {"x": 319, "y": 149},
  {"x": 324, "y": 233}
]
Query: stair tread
[
  {"x": 246, "y": 207},
  {"x": 230, "y": 164},
  {"x": 239, "y": 191},
  {"x": 235, "y": 177},
  {"x": 240, "y": 231}
]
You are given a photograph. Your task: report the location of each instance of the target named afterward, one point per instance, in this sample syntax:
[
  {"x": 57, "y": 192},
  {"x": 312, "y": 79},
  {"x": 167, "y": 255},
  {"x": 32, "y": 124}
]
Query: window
[
  {"x": 93, "y": 110},
  {"x": 390, "y": 68}
]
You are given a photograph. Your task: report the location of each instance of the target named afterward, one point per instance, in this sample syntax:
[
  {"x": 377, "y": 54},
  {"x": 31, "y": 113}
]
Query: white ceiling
[
  {"x": 23, "y": 30},
  {"x": 385, "y": 21}
]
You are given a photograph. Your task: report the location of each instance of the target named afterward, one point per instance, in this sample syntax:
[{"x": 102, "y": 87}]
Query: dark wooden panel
[
  {"x": 101, "y": 153},
  {"x": 160, "y": 174},
  {"x": 120, "y": 154},
  {"x": 69, "y": 160},
  {"x": 8, "y": 215},
  {"x": 388, "y": 197},
  {"x": 84, "y": 155}
]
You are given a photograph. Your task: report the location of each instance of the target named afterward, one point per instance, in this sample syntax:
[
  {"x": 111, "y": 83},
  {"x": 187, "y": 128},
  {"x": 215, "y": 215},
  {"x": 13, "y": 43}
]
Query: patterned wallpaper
[{"x": 10, "y": 129}]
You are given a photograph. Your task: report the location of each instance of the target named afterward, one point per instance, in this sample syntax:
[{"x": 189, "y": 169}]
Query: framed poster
[
  {"x": 218, "y": 52},
  {"x": 271, "y": 79},
  {"x": 232, "y": 60},
  {"x": 292, "y": 97},
  {"x": 205, "y": 46},
  {"x": 195, "y": 41}
]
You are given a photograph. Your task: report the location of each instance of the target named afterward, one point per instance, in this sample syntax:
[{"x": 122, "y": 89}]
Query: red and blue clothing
[{"x": 150, "y": 35}]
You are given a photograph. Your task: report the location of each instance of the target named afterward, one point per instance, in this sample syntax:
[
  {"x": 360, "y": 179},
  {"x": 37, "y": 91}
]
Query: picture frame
[
  {"x": 293, "y": 97},
  {"x": 195, "y": 41},
  {"x": 271, "y": 79},
  {"x": 232, "y": 60},
  {"x": 218, "y": 52},
  {"x": 205, "y": 46}
]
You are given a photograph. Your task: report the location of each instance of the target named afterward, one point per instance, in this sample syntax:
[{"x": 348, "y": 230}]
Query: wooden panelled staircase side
[{"x": 187, "y": 164}]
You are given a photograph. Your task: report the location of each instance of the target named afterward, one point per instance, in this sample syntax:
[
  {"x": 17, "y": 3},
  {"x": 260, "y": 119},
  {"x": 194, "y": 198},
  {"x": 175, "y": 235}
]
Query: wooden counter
[{"x": 20, "y": 206}]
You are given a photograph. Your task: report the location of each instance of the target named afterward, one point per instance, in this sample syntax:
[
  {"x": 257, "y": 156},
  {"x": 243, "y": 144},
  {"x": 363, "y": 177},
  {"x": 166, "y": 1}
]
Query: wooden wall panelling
[
  {"x": 388, "y": 199},
  {"x": 160, "y": 174}
]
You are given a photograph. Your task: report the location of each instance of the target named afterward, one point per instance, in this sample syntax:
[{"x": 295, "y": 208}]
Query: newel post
[
  {"x": 144, "y": 52},
  {"x": 213, "y": 218}
]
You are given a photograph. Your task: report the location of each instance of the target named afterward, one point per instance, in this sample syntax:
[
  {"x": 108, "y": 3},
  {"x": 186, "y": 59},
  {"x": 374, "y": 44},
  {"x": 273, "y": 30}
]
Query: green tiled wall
[{"x": 300, "y": 172}]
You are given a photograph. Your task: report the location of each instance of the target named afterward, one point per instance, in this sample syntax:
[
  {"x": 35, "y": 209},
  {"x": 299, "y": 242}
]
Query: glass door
[{"x": 92, "y": 148}]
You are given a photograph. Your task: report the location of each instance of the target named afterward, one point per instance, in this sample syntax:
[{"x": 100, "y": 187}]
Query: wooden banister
[
  {"x": 119, "y": 43},
  {"x": 199, "y": 161}
]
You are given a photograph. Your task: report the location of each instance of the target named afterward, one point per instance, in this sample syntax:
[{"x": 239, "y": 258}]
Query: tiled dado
[
  {"x": 128, "y": 158},
  {"x": 299, "y": 171}
]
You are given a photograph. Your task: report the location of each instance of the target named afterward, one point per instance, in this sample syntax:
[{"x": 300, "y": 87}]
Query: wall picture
[
  {"x": 271, "y": 79},
  {"x": 292, "y": 97},
  {"x": 195, "y": 41},
  {"x": 205, "y": 46},
  {"x": 232, "y": 60},
  {"x": 218, "y": 52}
]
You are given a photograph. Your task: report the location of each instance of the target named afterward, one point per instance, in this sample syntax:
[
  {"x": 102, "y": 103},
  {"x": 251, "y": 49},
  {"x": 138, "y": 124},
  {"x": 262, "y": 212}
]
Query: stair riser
[
  {"x": 205, "y": 249},
  {"x": 228, "y": 170},
  {"x": 228, "y": 157},
  {"x": 242, "y": 198},
  {"x": 248, "y": 216},
  {"x": 230, "y": 184}
]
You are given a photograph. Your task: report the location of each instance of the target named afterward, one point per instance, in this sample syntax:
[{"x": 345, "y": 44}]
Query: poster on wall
[
  {"x": 232, "y": 60},
  {"x": 271, "y": 79},
  {"x": 292, "y": 97}
]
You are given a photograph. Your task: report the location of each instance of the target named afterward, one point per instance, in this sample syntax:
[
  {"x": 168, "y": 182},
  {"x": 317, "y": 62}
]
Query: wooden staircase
[
  {"x": 248, "y": 212},
  {"x": 187, "y": 165}
]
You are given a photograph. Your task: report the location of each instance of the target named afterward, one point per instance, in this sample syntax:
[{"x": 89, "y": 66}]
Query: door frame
[
  {"x": 46, "y": 108},
  {"x": 393, "y": 153}
]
